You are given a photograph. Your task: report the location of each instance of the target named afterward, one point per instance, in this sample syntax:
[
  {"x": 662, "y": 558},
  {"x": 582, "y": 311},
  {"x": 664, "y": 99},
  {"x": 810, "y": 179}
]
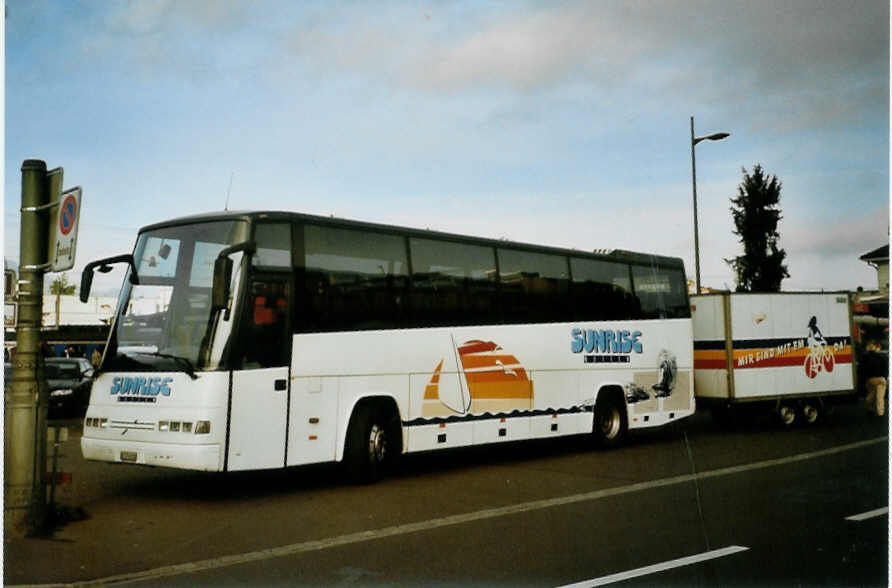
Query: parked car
[{"x": 69, "y": 380}]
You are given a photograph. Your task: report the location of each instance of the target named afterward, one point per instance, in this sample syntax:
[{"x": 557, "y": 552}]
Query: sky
[{"x": 556, "y": 123}]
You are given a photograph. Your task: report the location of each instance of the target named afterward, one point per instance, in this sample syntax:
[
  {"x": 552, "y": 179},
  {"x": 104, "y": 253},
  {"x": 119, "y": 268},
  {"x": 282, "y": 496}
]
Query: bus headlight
[{"x": 202, "y": 427}]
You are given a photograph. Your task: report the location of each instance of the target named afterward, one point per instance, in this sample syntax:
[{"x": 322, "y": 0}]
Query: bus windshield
[{"x": 163, "y": 320}]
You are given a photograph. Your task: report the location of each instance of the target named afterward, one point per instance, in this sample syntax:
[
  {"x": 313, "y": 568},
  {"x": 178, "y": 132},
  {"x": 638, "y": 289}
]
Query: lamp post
[{"x": 694, "y": 141}]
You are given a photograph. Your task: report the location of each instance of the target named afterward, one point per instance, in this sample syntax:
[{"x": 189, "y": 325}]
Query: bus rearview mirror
[
  {"x": 222, "y": 279},
  {"x": 104, "y": 266},
  {"x": 86, "y": 283}
]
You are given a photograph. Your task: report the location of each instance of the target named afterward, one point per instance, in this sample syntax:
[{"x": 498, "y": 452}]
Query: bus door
[{"x": 260, "y": 383}]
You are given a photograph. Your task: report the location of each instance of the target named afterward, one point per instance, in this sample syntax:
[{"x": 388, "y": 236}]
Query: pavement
[
  {"x": 119, "y": 520},
  {"x": 52, "y": 559}
]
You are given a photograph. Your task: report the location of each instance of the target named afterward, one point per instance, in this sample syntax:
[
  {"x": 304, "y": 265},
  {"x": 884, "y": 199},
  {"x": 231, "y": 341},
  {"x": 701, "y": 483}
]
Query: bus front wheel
[{"x": 369, "y": 445}]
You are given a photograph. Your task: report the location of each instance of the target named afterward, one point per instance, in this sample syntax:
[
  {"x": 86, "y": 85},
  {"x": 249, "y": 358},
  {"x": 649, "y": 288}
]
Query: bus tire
[
  {"x": 369, "y": 445},
  {"x": 610, "y": 425}
]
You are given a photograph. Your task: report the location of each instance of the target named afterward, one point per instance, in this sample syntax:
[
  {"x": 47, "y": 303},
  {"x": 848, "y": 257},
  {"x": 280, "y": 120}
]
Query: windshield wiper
[
  {"x": 127, "y": 360},
  {"x": 182, "y": 361}
]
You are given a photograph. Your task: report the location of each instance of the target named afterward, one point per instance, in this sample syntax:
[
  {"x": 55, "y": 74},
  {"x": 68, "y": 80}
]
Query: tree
[
  {"x": 756, "y": 212},
  {"x": 60, "y": 286}
]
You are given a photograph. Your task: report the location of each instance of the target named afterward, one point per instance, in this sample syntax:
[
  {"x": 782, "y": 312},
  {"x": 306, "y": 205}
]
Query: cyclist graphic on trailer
[
  {"x": 820, "y": 358},
  {"x": 814, "y": 333}
]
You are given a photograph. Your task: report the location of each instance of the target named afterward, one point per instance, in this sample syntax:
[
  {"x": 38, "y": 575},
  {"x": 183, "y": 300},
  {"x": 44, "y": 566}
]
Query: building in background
[
  {"x": 871, "y": 307},
  {"x": 879, "y": 260}
]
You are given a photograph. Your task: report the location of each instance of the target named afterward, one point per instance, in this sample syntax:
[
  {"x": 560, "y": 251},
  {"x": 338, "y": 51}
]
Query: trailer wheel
[
  {"x": 811, "y": 411},
  {"x": 786, "y": 414},
  {"x": 610, "y": 422},
  {"x": 369, "y": 444}
]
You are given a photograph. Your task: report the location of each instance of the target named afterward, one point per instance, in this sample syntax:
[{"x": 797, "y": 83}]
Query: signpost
[{"x": 48, "y": 239}]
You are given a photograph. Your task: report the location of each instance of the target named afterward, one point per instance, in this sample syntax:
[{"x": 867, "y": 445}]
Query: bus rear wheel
[
  {"x": 370, "y": 445},
  {"x": 610, "y": 422}
]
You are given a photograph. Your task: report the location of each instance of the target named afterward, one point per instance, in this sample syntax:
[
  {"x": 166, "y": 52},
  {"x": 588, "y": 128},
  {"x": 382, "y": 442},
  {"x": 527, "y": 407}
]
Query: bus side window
[
  {"x": 535, "y": 286},
  {"x": 267, "y": 342},
  {"x": 354, "y": 280},
  {"x": 453, "y": 283},
  {"x": 602, "y": 290},
  {"x": 661, "y": 292}
]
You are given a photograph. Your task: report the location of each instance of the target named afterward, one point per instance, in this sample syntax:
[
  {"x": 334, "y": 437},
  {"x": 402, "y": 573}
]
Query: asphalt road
[{"x": 690, "y": 505}]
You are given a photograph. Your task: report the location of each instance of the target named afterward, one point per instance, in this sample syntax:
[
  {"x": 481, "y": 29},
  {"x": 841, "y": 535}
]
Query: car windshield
[
  {"x": 61, "y": 371},
  {"x": 166, "y": 314}
]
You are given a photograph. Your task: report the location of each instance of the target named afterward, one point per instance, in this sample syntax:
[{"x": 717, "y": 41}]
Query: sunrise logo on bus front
[
  {"x": 605, "y": 346},
  {"x": 127, "y": 386}
]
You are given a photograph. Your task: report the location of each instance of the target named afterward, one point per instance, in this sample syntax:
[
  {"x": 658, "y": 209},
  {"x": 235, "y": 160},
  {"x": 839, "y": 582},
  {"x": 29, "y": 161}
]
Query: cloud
[
  {"x": 153, "y": 39},
  {"x": 144, "y": 17},
  {"x": 782, "y": 65},
  {"x": 525, "y": 51},
  {"x": 845, "y": 238},
  {"x": 792, "y": 65},
  {"x": 140, "y": 18}
]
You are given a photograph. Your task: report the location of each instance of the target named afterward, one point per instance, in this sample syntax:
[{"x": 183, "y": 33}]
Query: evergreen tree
[{"x": 756, "y": 212}]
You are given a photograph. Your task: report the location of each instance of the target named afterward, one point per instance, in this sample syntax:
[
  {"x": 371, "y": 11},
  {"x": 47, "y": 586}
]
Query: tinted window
[
  {"x": 354, "y": 279},
  {"x": 266, "y": 341},
  {"x": 453, "y": 283},
  {"x": 534, "y": 286},
  {"x": 661, "y": 292},
  {"x": 273, "y": 245},
  {"x": 61, "y": 371},
  {"x": 602, "y": 290}
]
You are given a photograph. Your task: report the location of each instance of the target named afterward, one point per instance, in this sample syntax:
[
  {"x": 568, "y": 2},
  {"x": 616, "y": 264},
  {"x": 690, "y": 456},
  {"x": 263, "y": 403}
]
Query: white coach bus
[{"x": 271, "y": 339}]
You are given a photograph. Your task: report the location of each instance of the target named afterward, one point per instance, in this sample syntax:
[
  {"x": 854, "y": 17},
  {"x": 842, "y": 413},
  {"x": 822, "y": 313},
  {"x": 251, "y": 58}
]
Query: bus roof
[{"x": 280, "y": 215}]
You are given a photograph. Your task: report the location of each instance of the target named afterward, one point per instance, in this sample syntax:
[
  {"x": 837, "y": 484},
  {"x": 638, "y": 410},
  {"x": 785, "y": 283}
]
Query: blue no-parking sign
[{"x": 63, "y": 231}]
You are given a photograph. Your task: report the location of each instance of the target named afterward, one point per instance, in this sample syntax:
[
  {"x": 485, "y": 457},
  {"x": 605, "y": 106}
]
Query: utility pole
[
  {"x": 694, "y": 141},
  {"x": 27, "y": 398},
  {"x": 696, "y": 227}
]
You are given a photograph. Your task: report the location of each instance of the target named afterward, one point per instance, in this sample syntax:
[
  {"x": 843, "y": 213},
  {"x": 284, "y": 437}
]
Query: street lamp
[{"x": 694, "y": 141}]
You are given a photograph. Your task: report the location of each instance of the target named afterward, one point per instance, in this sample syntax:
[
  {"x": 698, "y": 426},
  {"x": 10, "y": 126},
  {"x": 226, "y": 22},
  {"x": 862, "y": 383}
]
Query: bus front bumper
[{"x": 189, "y": 457}]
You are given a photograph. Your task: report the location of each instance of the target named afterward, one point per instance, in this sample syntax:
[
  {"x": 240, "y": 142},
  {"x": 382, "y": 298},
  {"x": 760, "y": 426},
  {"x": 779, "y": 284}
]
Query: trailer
[{"x": 787, "y": 352}]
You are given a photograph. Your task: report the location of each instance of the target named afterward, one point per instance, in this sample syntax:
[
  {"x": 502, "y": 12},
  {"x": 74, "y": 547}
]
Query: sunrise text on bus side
[{"x": 605, "y": 341}]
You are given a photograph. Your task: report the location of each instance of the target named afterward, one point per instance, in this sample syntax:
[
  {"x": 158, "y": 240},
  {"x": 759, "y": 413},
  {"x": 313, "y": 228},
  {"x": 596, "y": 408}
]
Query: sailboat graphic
[{"x": 489, "y": 380}]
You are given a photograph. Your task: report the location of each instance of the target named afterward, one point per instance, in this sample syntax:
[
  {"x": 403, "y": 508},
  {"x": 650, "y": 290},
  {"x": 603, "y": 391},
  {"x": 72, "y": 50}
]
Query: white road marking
[
  {"x": 878, "y": 512},
  {"x": 490, "y": 513},
  {"x": 660, "y": 567}
]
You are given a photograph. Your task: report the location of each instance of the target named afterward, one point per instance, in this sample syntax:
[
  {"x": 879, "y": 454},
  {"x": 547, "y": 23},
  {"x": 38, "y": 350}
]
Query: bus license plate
[{"x": 128, "y": 456}]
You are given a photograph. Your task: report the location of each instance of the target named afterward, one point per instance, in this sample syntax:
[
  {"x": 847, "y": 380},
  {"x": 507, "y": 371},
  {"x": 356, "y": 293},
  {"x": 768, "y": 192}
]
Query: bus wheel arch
[
  {"x": 373, "y": 439},
  {"x": 610, "y": 421}
]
